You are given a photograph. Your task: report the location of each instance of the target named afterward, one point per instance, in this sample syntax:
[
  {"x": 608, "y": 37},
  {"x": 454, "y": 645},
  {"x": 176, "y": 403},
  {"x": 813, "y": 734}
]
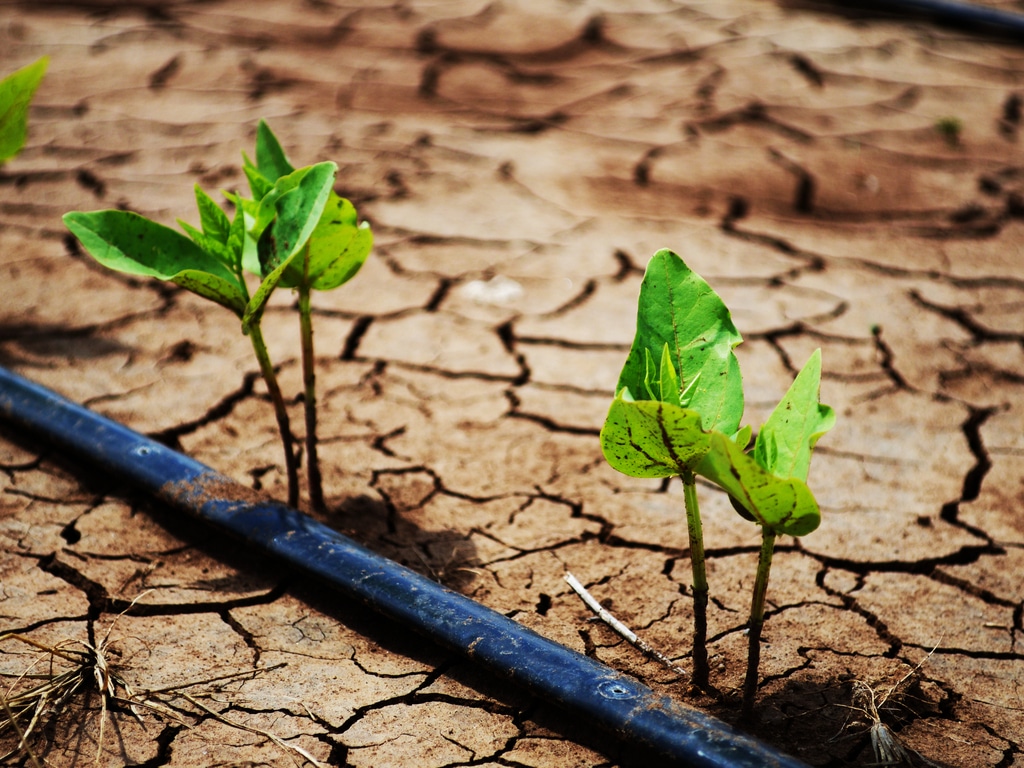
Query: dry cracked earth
[{"x": 846, "y": 181}]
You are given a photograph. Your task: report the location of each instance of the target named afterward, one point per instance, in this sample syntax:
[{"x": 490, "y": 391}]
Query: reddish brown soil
[{"x": 519, "y": 163}]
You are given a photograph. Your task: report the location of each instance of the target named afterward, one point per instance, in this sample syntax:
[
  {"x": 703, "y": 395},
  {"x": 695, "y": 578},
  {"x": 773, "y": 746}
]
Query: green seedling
[
  {"x": 289, "y": 234},
  {"x": 290, "y": 255},
  {"x": 677, "y": 411},
  {"x": 680, "y": 386},
  {"x": 783, "y": 451},
  {"x": 16, "y": 91}
]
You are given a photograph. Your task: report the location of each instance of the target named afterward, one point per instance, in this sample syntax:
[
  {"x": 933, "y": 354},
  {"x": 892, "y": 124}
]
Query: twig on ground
[
  {"x": 621, "y": 629},
  {"x": 242, "y": 727}
]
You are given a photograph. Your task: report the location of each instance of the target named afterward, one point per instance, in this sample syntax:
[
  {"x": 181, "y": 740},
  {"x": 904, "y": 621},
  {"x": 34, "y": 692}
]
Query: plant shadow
[{"x": 829, "y": 722}]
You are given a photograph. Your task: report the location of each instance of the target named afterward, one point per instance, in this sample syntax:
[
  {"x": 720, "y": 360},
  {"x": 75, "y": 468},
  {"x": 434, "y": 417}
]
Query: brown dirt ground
[{"x": 519, "y": 163}]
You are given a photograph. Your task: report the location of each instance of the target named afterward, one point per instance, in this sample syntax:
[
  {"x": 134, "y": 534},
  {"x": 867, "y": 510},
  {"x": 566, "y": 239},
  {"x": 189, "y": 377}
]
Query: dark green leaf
[
  {"x": 237, "y": 233},
  {"x": 259, "y": 185},
  {"x": 212, "y": 219},
  {"x": 290, "y": 212}
]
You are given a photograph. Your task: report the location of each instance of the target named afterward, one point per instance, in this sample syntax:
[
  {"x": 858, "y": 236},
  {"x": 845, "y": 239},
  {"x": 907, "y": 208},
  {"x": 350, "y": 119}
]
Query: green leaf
[
  {"x": 342, "y": 268},
  {"x": 246, "y": 205},
  {"x": 661, "y": 382},
  {"x": 224, "y": 292},
  {"x": 338, "y": 246},
  {"x": 783, "y": 504},
  {"x": 16, "y": 91},
  {"x": 648, "y": 438},
  {"x": 259, "y": 185},
  {"x": 207, "y": 243},
  {"x": 290, "y": 213},
  {"x": 240, "y": 243},
  {"x": 785, "y": 442},
  {"x": 679, "y": 309},
  {"x": 297, "y": 201},
  {"x": 313, "y": 179},
  {"x": 270, "y": 158},
  {"x": 127, "y": 242},
  {"x": 212, "y": 219}
]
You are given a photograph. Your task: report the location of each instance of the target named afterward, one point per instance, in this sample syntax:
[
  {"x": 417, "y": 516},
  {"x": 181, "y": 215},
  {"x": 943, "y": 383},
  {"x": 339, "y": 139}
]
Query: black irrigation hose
[
  {"x": 589, "y": 690},
  {"x": 952, "y": 12}
]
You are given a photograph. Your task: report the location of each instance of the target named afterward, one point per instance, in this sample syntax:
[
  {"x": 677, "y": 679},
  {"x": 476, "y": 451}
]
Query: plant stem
[
  {"x": 259, "y": 346},
  {"x": 316, "y": 489},
  {"x": 756, "y": 623},
  {"x": 700, "y": 583}
]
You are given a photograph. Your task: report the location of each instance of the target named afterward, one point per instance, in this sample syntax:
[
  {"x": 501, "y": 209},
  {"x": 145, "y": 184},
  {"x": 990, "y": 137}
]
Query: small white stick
[{"x": 621, "y": 629}]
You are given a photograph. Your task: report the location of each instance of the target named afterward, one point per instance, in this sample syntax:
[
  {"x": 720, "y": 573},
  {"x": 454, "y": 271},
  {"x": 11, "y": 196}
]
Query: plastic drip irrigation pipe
[
  {"x": 586, "y": 688},
  {"x": 953, "y": 12}
]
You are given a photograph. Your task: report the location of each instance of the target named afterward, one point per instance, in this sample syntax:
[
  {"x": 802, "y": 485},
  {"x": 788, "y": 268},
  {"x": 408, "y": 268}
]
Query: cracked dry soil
[{"x": 519, "y": 162}]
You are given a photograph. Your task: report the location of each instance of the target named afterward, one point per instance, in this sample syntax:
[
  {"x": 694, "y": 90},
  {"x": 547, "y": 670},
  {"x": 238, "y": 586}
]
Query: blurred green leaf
[
  {"x": 212, "y": 219},
  {"x": 16, "y": 91},
  {"x": 270, "y": 157}
]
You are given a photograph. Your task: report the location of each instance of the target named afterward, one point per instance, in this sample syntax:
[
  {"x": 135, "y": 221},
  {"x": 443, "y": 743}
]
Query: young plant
[
  {"x": 280, "y": 226},
  {"x": 680, "y": 385},
  {"x": 327, "y": 257},
  {"x": 783, "y": 450},
  {"x": 16, "y": 91},
  {"x": 677, "y": 411}
]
